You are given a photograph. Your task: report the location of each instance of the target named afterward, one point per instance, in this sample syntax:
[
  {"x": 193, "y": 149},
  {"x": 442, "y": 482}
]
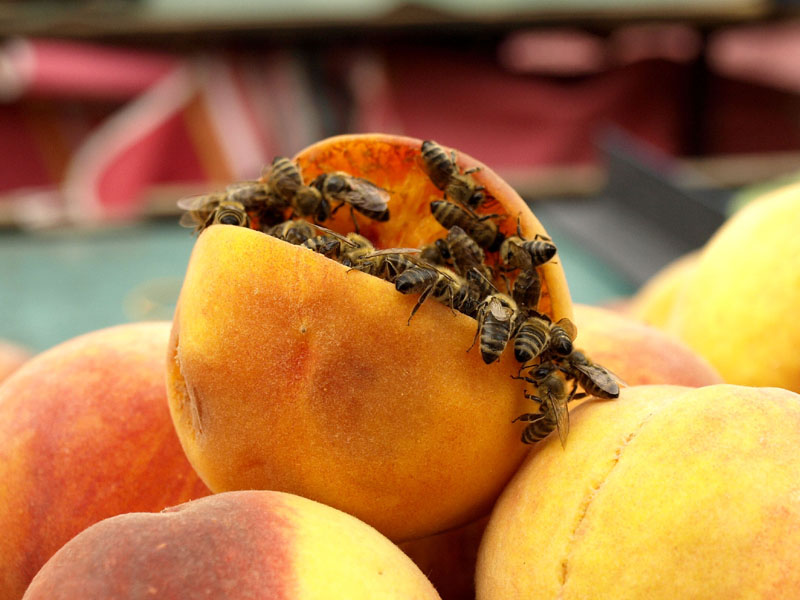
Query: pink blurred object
[
  {"x": 44, "y": 68},
  {"x": 200, "y": 120},
  {"x": 766, "y": 54}
]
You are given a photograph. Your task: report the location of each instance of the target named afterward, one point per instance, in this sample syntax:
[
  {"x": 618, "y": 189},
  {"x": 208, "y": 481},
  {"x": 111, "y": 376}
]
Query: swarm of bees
[{"x": 459, "y": 269}]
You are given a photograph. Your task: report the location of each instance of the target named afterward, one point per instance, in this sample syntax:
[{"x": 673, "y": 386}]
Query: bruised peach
[
  {"x": 247, "y": 544},
  {"x": 288, "y": 372},
  {"x": 85, "y": 434}
]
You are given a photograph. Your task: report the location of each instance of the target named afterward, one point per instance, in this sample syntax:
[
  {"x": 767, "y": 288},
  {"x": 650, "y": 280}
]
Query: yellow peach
[
  {"x": 288, "y": 372},
  {"x": 667, "y": 492},
  {"x": 653, "y": 302},
  {"x": 738, "y": 305}
]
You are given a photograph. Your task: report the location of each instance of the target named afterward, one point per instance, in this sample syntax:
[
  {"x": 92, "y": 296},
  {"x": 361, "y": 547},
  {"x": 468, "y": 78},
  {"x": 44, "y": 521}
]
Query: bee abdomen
[
  {"x": 527, "y": 289},
  {"x": 538, "y": 430},
  {"x": 231, "y": 216},
  {"x": 438, "y": 165},
  {"x": 540, "y": 251},
  {"x": 414, "y": 280},
  {"x": 494, "y": 338},
  {"x": 375, "y": 215},
  {"x": 529, "y": 342},
  {"x": 560, "y": 342}
]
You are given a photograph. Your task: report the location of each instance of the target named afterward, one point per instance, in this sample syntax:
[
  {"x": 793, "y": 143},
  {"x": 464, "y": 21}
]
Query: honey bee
[
  {"x": 595, "y": 379},
  {"x": 445, "y": 174},
  {"x": 436, "y": 253},
  {"x": 531, "y": 338},
  {"x": 348, "y": 249},
  {"x": 553, "y": 402},
  {"x": 439, "y": 282},
  {"x": 285, "y": 182},
  {"x": 496, "y": 316},
  {"x": 481, "y": 229},
  {"x": 536, "y": 333},
  {"x": 465, "y": 253},
  {"x": 294, "y": 231},
  {"x": 527, "y": 289},
  {"x": 205, "y": 210},
  {"x": 387, "y": 263},
  {"x": 359, "y": 194},
  {"x": 518, "y": 253}
]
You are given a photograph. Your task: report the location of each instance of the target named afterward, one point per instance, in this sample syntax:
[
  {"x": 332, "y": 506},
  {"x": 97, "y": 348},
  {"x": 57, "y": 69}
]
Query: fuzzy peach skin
[
  {"x": 639, "y": 354},
  {"x": 288, "y": 372},
  {"x": 667, "y": 492},
  {"x": 738, "y": 305},
  {"x": 85, "y": 434},
  {"x": 247, "y": 544},
  {"x": 12, "y": 357}
]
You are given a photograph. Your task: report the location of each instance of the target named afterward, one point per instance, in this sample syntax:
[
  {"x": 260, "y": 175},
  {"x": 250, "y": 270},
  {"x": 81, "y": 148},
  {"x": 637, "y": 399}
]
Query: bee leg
[
  {"x": 480, "y": 319},
  {"x": 355, "y": 222},
  {"x": 422, "y": 297},
  {"x": 528, "y": 379},
  {"x": 471, "y": 171},
  {"x": 530, "y": 396},
  {"x": 508, "y": 283},
  {"x": 529, "y": 417}
]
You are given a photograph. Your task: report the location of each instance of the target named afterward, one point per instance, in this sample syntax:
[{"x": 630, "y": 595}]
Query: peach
[
  {"x": 638, "y": 353},
  {"x": 85, "y": 434},
  {"x": 653, "y": 302},
  {"x": 448, "y": 559},
  {"x": 667, "y": 492},
  {"x": 12, "y": 356},
  {"x": 738, "y": 306},
  {"x": 247, "y": 544},
  {"x": 288, "y": 372}
]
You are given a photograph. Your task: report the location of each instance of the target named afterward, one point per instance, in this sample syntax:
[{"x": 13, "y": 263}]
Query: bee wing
[
  {"x": 199, "y": 202},
  {"x": 248, "y": 193},
  {"x": 190, "y": 219},
  {"x": 500, "y": 311},
  {"x": 602, "y": 378},
  {"x": 338, "y": 236},
  {"x": 561, "y": 413},
  {"x": 366, "y": 195},
  {"x": 393, "y": 251}
]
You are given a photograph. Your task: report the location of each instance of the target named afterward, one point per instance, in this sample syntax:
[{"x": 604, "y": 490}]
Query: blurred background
[{"x": 633, "y": 127}]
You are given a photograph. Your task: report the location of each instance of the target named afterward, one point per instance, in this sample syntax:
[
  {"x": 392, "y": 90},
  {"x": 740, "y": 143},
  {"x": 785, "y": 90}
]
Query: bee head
[{"x": 542, "y": 371}]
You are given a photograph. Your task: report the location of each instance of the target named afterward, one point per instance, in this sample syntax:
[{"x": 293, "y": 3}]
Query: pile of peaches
[{"x": 291, "y": 434}]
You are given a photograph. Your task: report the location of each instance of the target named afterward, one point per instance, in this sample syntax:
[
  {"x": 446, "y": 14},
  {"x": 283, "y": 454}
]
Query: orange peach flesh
[
  {"x": 331, "y": 395},
  {"x": 394, "y": 163}
]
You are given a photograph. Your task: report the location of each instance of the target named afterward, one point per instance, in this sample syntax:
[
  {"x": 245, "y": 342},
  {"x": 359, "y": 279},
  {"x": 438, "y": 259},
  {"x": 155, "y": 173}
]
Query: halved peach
[{"x": 286, "y": 371}]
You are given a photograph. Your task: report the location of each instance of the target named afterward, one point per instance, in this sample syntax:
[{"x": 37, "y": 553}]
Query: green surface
[{"x": 56, "y": 285}]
